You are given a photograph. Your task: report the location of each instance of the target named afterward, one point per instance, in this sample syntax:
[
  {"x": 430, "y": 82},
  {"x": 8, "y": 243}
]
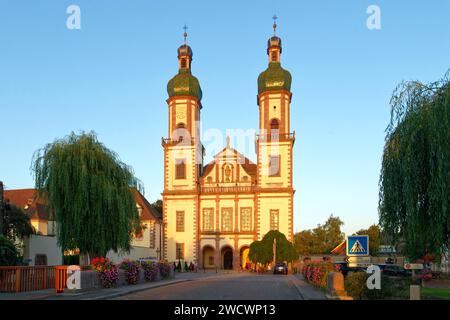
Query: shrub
[
  {"x": 316, "y": 272},
  {"x": 164, "y": 269},
  {"x": 150, "y": 270},
  {"x": 131, "y": 270},
  {"x": 9, "y": 254},
  {"x": 355, "y": 284}
]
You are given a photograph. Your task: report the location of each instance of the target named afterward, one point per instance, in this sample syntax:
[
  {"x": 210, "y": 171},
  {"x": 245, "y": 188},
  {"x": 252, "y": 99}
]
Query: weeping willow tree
[
  {"x": 87, "y": 188},
  {"x": 414, "y": 204}
]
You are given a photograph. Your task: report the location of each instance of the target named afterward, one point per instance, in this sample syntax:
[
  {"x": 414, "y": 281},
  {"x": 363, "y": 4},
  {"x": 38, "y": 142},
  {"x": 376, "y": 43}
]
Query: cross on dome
[{"x": 274, "y": 23}]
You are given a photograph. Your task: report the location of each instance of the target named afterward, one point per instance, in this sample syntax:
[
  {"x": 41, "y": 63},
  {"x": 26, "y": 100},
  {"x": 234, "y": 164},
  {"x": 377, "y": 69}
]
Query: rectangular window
[
  {"x": 208, "y": 219},
  {"x": 274, "y": 166},
  {"x": 246, "y": 219},
  {"x": 180, "y": 251},
  {"x": 139, "y": 235},
  {"x": 274, "y": 219},
  {"x": 227, "y": 219},
  {"x": 180, "y": 169},
  {"x": 180, "y": 221}
]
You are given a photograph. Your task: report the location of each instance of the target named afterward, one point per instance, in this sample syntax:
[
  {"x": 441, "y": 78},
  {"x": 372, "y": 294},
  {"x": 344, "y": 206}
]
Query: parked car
[
  {"x": 280, "y": 267},
  {"x": 394, "y": 270},
  {"x": 345, "y": 269}
]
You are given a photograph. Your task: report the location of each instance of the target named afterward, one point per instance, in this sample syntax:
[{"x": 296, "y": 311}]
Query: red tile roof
[
  {"x": 148, "y": 212},
  {"x": 28, "y": 200}
]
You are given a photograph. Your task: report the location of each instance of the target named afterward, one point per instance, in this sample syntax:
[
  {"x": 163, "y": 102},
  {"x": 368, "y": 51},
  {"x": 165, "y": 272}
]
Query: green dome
[
  {"x": 184, "y": 84},
  {"x": 274, "y": 78}
]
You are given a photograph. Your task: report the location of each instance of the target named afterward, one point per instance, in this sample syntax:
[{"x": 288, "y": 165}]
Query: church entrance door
[{"x": 228, "y": 258}]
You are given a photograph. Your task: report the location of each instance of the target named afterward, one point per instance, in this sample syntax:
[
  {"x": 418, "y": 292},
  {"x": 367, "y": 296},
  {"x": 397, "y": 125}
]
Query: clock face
[{"x": 181, "y": 114}]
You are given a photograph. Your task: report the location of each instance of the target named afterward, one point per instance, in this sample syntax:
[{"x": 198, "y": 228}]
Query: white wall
[{"x": 37, "y": 244}]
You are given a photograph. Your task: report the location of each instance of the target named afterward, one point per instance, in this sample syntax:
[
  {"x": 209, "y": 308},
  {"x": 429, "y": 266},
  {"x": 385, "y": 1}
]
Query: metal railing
[
  {"x": 227, "y": 189},
  {"x": 273, "y": 137}
]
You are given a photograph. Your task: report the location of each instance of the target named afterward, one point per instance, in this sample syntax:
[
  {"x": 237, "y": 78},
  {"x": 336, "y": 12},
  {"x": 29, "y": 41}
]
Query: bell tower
[
  {"x": 183, "y": 161},
  {"x": 274, "y": 143}
]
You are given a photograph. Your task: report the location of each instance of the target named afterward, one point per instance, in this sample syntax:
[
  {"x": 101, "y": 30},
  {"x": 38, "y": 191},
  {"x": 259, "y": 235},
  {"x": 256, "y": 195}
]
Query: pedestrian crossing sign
[{"x": 357, "y": 246}]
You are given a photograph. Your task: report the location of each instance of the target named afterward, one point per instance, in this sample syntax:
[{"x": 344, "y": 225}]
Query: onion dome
[
  {"x": 184, "y": 83},
  {"x": 274, "y": 77}
]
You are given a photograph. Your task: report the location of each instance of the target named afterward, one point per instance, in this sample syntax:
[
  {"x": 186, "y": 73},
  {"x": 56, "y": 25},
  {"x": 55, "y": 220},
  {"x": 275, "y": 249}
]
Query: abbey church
[{"x": 213, "y": 212}]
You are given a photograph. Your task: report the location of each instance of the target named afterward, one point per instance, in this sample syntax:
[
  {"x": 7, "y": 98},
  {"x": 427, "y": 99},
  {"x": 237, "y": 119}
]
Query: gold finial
[
  {"x": 185, "y": 33},
  {"x": 274, "y": 23}
]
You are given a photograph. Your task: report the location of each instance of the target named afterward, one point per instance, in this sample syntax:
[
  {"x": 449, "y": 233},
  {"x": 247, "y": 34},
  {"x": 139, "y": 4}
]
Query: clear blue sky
[{"x": 111, "y": 77}]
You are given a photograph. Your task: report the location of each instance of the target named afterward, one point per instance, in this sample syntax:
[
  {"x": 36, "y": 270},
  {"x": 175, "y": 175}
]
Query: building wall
[
  {"x": 45, "y": 245},
  {"x": 188, "y": 237}
]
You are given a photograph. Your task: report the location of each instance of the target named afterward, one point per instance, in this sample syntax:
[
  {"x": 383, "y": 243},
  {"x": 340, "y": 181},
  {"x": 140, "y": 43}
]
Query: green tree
[
  {"x": 262, "y": 251},
  {"x": 87, "y": 188},
  {"x": 374, "y": 238},
  {"x": 304, "y": 242},
  {"x": 9, "y": 254},
  {"x": 158, "y": 206},
  {"x": 414, "y": 200},
  {"x": 16, "y": 223},
  {"x": 322, "y": 239}
]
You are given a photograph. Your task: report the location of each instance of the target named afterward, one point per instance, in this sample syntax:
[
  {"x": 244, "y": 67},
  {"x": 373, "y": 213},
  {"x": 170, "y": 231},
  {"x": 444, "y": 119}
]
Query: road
[{"x": 234, "y": 286}]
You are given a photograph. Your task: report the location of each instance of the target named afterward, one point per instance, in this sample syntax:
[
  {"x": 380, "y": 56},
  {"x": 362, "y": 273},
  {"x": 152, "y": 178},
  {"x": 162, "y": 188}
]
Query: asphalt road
[{"x": 224, "y": 287}]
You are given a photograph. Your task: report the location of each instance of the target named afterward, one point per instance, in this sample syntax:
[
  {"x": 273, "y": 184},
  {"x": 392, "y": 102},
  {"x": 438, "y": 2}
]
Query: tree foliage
[
  {"x": 262, "y": 251},
  {"x": 9, "y": 254},
  {"x": 87, "y": 188},
  {"x": 16, "y": 223},
  {"x": 414, "y": 200},
  {"x": 322, "y": 239},
  {"x": 158, "y": 206},
  {"x": 374, "y": 238}
]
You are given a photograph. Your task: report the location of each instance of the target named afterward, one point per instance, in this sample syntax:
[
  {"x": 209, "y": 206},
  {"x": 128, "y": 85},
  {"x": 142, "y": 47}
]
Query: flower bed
[
  {"x": 316, "y": 272},
  {"x": 164, "y": 269},
  {"x": 151, "y": 270},
  {"x": 127, "y": 272},
  {"x": 132, "y": 270},
  {"x": 107, "y": 271}
]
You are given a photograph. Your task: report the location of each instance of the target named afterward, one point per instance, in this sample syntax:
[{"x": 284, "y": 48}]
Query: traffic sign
[
  {"x": 357, "y": 246},
  {"x": 413, "y": 266},
  {"x": 353, "y": 262}
]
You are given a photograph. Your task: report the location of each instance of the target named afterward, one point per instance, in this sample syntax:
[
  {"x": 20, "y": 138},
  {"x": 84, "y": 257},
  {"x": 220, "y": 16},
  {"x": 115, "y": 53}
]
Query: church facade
[{"x": 213, "y": 212}]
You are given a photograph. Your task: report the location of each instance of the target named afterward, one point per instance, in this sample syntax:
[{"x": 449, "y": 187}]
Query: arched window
[
  {"x": 180, "y": 131},
  {"x": 274, "y": 124},
  {"x": 274, "y": 56}
]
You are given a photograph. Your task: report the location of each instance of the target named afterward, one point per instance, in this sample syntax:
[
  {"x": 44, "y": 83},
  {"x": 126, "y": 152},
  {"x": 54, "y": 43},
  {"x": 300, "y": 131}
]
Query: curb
[
  {"x": 300, "y": 293},
  {"x": 124, "y": 293}
]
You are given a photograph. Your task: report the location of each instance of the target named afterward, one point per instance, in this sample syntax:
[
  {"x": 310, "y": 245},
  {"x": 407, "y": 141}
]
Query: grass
[{"x": 433, "y": 293}]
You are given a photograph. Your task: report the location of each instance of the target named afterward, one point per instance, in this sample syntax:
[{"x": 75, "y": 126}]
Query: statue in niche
[{"x": 227, "y": 173}]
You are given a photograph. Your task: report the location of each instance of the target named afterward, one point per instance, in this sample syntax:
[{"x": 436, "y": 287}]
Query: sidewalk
[
  {"x": 98, "y": 294},
  {"x": 306, "y": 291}
]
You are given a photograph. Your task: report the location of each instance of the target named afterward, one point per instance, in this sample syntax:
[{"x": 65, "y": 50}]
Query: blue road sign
[{"x": 357, "y": 246}]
